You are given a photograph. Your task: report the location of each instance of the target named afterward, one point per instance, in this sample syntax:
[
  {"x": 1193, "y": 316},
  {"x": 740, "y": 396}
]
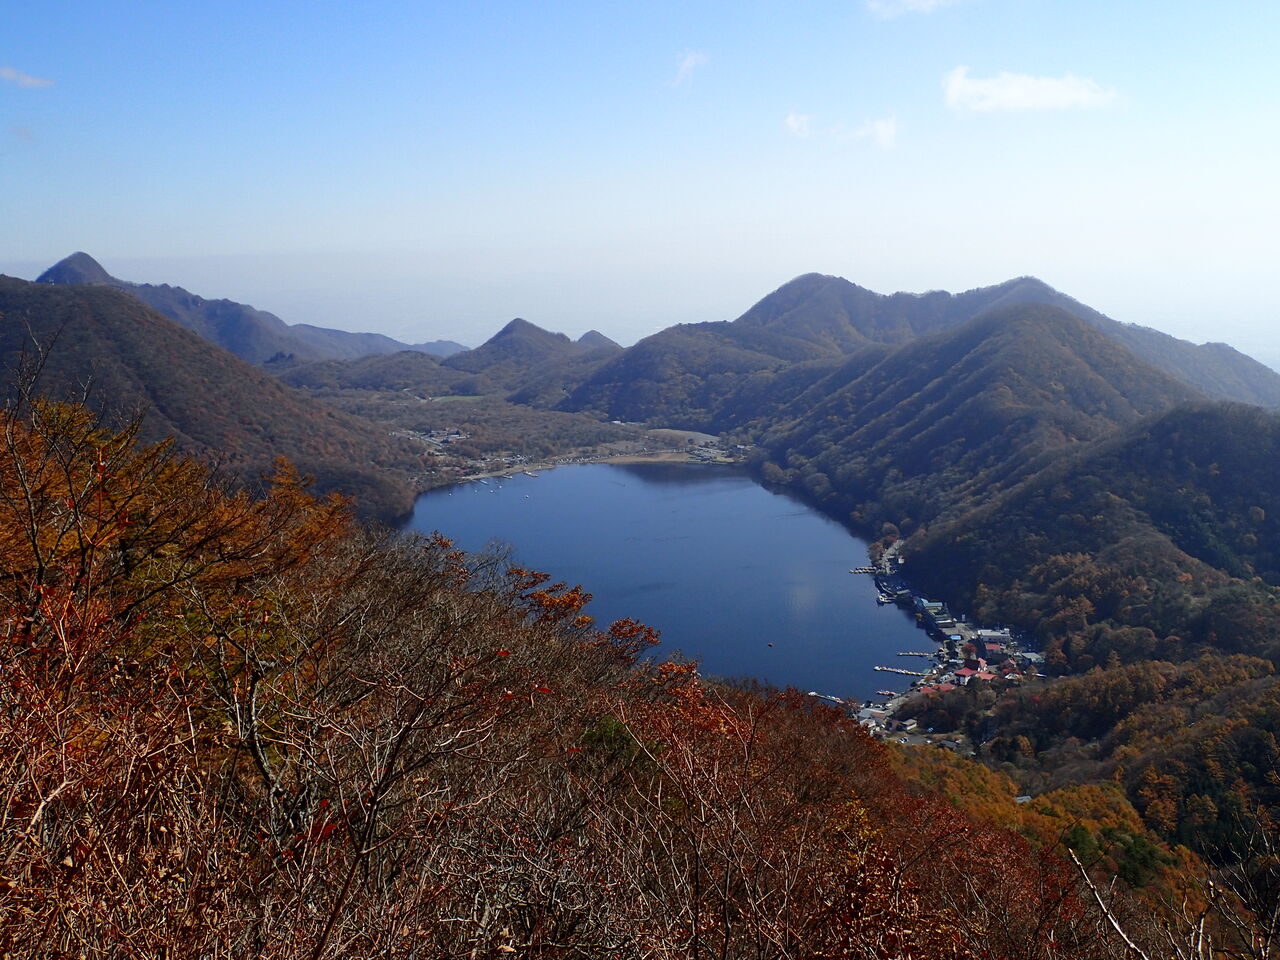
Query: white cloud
[
  {"x": 798, "y": 124},
  {"x": 1018, "y": 91},
  {"x": 883, "y": 133},
  {"x": 689, "y": 62},
  {"x": 894, "y": 8},
  {"x": 23, "y": 79}
]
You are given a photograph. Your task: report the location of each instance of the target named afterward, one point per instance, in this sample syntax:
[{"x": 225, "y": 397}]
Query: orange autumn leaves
[{"x": 237, "y": 726}]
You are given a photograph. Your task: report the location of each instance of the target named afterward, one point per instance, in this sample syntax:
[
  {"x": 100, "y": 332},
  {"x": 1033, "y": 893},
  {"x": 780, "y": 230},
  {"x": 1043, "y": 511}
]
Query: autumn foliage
[{"x": 234, "y": 727}]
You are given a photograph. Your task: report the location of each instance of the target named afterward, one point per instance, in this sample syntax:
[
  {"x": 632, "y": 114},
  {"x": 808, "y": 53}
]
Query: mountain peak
[
  {"x": 77, "y": 268},
  {"x": 595, "y": 339},
  {"x": 516, "y": 326},
  {"x": 521, "y": 329}
]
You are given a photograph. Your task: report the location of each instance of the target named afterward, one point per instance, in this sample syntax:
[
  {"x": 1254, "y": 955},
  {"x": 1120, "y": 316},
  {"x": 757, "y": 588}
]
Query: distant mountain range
[
  {"x": 521, "y": 358},
  {"x": 686, "y": 374},
  {"x": 830, "y": 313},
  {"x": 252, "y": 335}
]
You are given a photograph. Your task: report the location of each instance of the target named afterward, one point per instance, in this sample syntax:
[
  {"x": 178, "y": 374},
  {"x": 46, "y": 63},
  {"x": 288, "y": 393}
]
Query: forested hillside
[
  {"x": 101, "y": 343},
  {"x": 522, "y": 352},
  {"x": 689, "y": 375},
  {"x": 244, "y": 727},
  {"x": 944, "y": 422}
]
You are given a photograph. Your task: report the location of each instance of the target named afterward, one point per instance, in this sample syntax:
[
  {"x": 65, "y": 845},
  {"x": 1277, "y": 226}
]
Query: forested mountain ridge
[
  {"x": 1047, "y": 477},
  {"x": 522, "y": 352},
  {"x": 130, "y": 359},
  {"x": 835, "y": 313},
  {"x": 1144, "y": 564},
  {"x": 251, "y": 334},
  {"x": 685, "y": 375},
  {"x": 945, "y": 421},
  {"x": 677, "y": 378},
  {"x": 1170, "y": 512}
]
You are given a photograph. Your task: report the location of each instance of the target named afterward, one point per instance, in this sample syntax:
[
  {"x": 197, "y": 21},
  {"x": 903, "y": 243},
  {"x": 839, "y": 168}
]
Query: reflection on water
[{"x": 748, "y": 581}]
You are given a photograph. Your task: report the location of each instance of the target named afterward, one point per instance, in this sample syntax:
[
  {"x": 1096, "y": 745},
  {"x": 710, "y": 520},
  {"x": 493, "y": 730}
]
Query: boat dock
[
  {"x": 827, "y": 697},
  {"x": 905, "y": 673}
]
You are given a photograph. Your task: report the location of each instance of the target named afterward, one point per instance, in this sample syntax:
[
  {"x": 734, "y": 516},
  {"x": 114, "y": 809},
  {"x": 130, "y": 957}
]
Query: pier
[
  {"x": 905, "y": 673},
  {"x": 827, "y": 697}
]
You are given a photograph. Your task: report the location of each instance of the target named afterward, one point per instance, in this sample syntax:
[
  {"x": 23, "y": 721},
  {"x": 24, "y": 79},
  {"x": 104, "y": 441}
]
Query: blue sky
[{"x": 433, "y": 169}]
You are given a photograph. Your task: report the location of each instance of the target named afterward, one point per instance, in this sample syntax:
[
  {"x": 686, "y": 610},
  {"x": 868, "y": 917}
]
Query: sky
[{"x": 431, "y": 170}]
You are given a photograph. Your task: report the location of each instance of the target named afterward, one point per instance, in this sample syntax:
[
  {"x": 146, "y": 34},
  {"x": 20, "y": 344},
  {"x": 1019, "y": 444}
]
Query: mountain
[
  {"x": 131, "y": 358},
  {"x": 595, "y": 340},
  {"x": 251, "y": 334},
  {"x": 549, "y": 384},
  {"x": 1145, "y": 566},
  {"x": 833, "y": 314},
  {"x": 686, "y": 375},
  {"x": 77, "y": 268},
  {"x": 1062, "y": 473},
  {"x": 1215, "y": 369},
  {"x": 676, "y": 378},
  {"x": 944, "y": 421},
  {"x": 521, "y": 351},
  {"x": 1187, "y": 497}
]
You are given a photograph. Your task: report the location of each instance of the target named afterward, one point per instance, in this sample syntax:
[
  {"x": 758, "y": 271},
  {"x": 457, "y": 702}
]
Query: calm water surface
[{"x": 749, "y": 582}]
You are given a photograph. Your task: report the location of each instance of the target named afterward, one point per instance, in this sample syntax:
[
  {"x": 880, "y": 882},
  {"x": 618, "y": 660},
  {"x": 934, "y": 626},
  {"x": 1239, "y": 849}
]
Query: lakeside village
[{"x": 965, "y": 653}]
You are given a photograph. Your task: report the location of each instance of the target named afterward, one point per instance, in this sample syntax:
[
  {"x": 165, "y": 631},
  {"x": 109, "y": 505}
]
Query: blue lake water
[{"x": 750, "y": 582}]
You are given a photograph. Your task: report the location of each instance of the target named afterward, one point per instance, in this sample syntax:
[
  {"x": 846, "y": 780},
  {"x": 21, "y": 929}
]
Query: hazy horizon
[{"x": 431, "y": 172}]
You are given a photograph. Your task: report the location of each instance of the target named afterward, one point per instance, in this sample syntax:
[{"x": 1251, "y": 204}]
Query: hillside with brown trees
[
  {"x": 240, "y": 727},
  {"x": 100, "y": 344}
]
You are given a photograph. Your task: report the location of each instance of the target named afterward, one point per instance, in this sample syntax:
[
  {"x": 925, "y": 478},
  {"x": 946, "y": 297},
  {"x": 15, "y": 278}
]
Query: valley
[
  {"x": 1017, "y": 455},
  {"x": 579, "y": 481}
]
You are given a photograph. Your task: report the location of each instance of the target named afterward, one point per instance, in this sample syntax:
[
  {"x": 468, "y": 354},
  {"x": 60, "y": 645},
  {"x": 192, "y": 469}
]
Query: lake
[{"x": 750, "y": 582}]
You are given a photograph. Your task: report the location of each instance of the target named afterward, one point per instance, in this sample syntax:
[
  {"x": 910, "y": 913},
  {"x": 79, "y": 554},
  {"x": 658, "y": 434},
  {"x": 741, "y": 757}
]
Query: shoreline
[{"x": 658, "y": 456}]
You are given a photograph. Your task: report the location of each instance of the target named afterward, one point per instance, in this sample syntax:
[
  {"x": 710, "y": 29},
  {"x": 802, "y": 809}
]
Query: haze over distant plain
[{"x": 433, "y": 170}]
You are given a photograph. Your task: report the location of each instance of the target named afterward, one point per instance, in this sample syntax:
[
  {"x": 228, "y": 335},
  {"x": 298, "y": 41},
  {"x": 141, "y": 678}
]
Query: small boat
[{"x": 886, "y": 693}]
